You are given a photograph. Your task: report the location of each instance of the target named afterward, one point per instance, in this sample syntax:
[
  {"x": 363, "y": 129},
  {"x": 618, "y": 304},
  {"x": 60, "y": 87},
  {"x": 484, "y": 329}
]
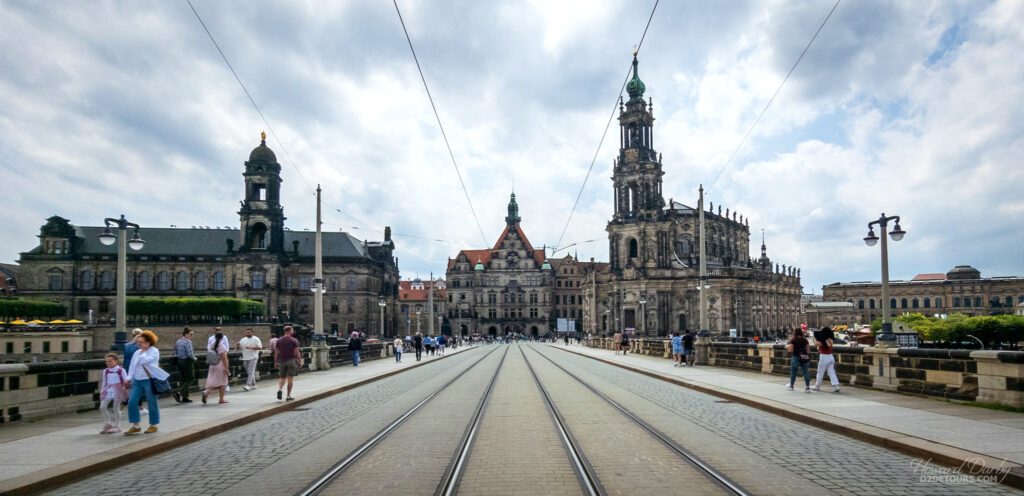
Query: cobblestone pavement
[
  {"x": 284, "y": 453},
  {"x": 517, "y": 429},
  {"x": 625, "y": 458},
  {"x": 414, "y": 457},
  {"x": 765, "y": 453}
]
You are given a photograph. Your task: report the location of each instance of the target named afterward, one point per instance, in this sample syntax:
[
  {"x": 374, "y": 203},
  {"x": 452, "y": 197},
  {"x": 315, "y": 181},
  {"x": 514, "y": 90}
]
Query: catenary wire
[
  {"x": 439, "y": 125},
  {"x": 251, "y": 99},
  {"x": 772, "y": 99}
]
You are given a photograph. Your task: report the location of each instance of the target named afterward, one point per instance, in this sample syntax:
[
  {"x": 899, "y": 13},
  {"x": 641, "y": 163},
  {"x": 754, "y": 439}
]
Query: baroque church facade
[
  {"x": 260, "y": 260},
  {"x": 650, "y": 285}
]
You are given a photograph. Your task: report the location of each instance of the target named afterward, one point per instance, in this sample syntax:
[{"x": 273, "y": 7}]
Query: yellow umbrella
[
  {"x": 58, "y": 321},
  {"x": 37, "y": 321},
  {"x": 74, "y": 321},
  {"x": 17, "y": 322},
  {"x": 3, "y": 322}
]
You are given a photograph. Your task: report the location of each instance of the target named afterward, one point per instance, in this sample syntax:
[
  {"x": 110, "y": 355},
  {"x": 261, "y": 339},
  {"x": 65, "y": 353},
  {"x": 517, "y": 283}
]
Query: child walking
[{"x": 112, "y": 393}]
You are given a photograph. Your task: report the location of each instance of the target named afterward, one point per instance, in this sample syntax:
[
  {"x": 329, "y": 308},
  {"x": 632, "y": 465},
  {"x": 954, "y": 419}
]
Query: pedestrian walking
[
  {"x": 130, "y": 348},
  {"x": 442, "y": 341},
  {"x": 250, "y": 346},
  {"x": 398, "y": 350},
  {"x": 273, "y": 341},
  {"x": 417, "y": 343},
  {"x": 289, "y": 361},
  {"x": 186, "y": 362},
  {"x": 113, "y": 391},
  {"x": 429, "y": 342},
  {"x": 617, "y": 342},
  {"x": 625, "y": 342},
  {"x": 688, "y": 348},
  {"x": 144, "y": 370},
  {"x": 677, "y": 349},
  {"x": 217, "y": 359},
  {"x": 824, "y": 340},
  {"x": 800, "y": 358},
  {"x": 355, "y": 345}
]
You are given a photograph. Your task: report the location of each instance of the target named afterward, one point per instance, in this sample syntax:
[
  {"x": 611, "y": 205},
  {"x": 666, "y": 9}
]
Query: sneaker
[
  {"x": 204, "y": 397},
  {"x": 186, "y": 400},
  {"x": 835, "y": 389},
  {"x": 151, "y": 429},
  {"x": 816, "y": 388},
  {"x": 246, "y": 388},
  {"x": 133, "y": 431},
  {"x": 807, "y": 389},
  {"x": 106, "y": 429},
  {"x": 114, "y": 429},
  {"x": 279, "y": 394},
  {"x": 789, "y": 387},
  {"x": 290, "y": 399},
  {"x": 177, "y": 397},
  {"x": 144, "y": 411}
]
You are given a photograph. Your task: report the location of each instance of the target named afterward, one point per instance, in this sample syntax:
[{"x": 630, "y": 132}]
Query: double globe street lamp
[
  {"x": 886, "y": 339},
  {"x": 107, "y": 237}
]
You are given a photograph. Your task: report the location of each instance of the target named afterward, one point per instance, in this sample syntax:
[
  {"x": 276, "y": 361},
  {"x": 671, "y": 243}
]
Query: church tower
[
  {"x": 637, "y": 170},
  {"x": 262, "y": 217}
]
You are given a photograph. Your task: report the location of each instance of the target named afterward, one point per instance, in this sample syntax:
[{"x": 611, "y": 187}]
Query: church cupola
[
  {"x": 262, "y": 217},
  {"x": 513, "y": 211},
  {"x": 635, "y": 87}
]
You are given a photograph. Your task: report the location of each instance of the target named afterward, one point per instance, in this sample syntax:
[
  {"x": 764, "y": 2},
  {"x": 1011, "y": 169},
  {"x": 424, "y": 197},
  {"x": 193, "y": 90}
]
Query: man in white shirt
[{"x": 250, "y": 346}]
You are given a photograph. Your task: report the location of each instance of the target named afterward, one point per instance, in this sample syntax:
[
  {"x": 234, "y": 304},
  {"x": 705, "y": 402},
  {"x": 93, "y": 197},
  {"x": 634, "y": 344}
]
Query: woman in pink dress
[{"x": 217, "y": 376}]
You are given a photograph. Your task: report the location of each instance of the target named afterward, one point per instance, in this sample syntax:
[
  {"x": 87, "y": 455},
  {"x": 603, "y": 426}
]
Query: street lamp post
[
  {"x": 418, "y": 312},
  {"x": 643, "y": 316},
  {"x": 381, "y": 303},
  {"x": 886, "y": 339},
  {"x": 136, "y": 243}
]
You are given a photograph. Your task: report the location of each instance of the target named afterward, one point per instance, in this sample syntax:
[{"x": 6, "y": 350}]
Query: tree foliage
[
  {"x": 193, "y": 307},
  {"x": 28, "y": 309},
  {"x": 993, "y": 331}
]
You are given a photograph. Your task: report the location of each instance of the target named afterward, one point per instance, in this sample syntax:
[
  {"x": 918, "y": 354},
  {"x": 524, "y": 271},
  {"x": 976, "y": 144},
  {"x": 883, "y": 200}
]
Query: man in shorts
[{"x": 288, "y": 360}]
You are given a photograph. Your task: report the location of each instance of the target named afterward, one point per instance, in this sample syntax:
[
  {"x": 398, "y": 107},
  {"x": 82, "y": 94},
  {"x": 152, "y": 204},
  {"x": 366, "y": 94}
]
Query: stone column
[
  {"x": 702, "y": 350},
  {"x": 766, "y": 351}
]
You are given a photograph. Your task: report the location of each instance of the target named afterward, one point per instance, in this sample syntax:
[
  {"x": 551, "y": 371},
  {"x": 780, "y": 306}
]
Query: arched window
[
  {"x": 163, "y": 281},
  {"x": 218, "y": 281},
  {"x": 1009, "y": 301},
  {"x": 938, "y": 302},
  {"x": 633, "y": 248},
  {"x": 903, "y": 303},
  {"x": 144, "y": 282},
  {"x": 86, "y": 279},
  {"x": 967, "y": 302},
  {"x": 956, "y": 301},
  {"x": 892, "y": 302},
  {"x": 182, "y": 283},
  {"x": 257, "y": 280},
  {"x": 977, "y": 302},
  {"x": 129, "y": 281},
  {"x": 860, "y": 304},
  {"x": 259, "y": 236},
  {"x": 927, "y": 302},
  {"x": 871, "y": 304},
  {"x": 106, "y": 280},
  {"x": 914, "y": 303},
  {"x": 201, "y": 281}
]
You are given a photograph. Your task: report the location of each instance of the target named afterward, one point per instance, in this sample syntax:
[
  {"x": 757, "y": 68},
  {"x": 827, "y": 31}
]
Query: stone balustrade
[
  {"x": 35, "y": 390},
  {"x": 982, "y": 376}
]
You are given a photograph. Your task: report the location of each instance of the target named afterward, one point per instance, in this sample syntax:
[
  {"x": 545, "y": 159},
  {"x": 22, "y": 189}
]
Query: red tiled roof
[
  {"x": 929, "y": 277},
  {"x": 405, "y": 291},
  {"x": 485, "y": 255}
]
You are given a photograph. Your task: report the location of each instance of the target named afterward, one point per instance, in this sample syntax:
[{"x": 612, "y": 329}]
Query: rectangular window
[
  {"x": 27, "y": 347},
  {"x": 533, "y": 313},
  {"x": 334, "y": 306},
  {"x": 9, "y": 349},
  {"x": 558, "y": 283},
  {"x": 257, "y": 280},
  {"x": 304, "y": 283},
  {"x": 334, "y": 284},
  {"x": 56, "y": 282},
  {"x": 104, "y": 306},
  {"x": 46, "y": 346},
  {"x": 288, "y": 283},
  {"x": 334, "y": 327},
  {"x": 64, "y": 346},
  {"x": 351, "y": 304},
  {"x": 350, "y": 283},
  {"x": 492, "y": 313},
  {"x": 83, "y": 306},
  {"x": 85, "y": 345}
]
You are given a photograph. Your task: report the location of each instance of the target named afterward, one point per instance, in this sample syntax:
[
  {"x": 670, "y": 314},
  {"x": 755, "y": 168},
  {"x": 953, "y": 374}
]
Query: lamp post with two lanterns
[
  {"x": 886, "y": 339},
  {"x": 381, "y": 303},
  {"x": 136, "y": 243}
]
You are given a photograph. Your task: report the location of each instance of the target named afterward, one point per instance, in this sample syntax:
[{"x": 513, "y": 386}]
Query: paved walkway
[
  {"x": 38, "y": 449},
  {"x": 903, "y": 419}
]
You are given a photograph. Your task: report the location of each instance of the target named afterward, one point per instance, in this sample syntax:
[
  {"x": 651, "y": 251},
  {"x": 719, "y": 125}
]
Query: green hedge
[
  {"x": 956, "y": 328},
  {"x": 26, "y": 309},
  {"x": 179, "y": 307}
]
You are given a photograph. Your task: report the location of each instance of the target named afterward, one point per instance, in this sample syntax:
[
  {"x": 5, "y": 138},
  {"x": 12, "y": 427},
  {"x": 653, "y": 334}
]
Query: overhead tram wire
[
  {"x": 606, "y": 126},
  {"x": 772, "y": 99},
  {"x": 439, "y": 125},
  {"x": 251, "y": 99}
]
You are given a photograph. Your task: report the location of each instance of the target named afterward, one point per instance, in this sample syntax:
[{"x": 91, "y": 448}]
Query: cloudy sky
[{"x": 911, "y": 108}]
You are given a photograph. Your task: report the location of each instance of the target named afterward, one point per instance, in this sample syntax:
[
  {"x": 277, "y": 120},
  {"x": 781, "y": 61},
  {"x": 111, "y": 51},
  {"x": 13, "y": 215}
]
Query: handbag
[
  {"x": 158, "y": 385},
  {"x": 212, "y": 358}
]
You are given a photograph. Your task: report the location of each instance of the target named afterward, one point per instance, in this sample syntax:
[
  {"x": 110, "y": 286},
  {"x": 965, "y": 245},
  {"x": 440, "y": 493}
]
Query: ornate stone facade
[
  {"x": 649, "y": 286},
  {"x": 961, "y": 290},
  {"x": 261, "y": 260}
]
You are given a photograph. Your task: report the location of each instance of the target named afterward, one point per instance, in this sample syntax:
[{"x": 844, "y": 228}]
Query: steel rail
[
  {"x": 693, "y": 460},
  {"x": 332, "y": 473},
  {"x": 591, "y": 484},
  {"x": 451, "y": 480}
]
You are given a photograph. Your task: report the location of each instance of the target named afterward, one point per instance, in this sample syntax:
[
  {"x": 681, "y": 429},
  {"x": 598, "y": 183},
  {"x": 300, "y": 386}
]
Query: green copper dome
[
  {"x": 635, "y": 87},
  {"x": 479, "y": 265},
  {"x": 546, "y": 265}
]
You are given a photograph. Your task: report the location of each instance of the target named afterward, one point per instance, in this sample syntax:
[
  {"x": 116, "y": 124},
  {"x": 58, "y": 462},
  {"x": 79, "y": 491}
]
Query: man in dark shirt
[
  {"x": 417, "y": 342},
  {"x": 288, "y": 359},
  {"x": 688, "y": 348}
]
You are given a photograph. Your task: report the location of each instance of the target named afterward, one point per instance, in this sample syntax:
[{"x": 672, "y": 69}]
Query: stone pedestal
[
  {"x": 319, "y": 356},
  {"x": 1000, "y": 377},
  {"x": 702, "y": 350},
  {"x": 882, "y": 372}
]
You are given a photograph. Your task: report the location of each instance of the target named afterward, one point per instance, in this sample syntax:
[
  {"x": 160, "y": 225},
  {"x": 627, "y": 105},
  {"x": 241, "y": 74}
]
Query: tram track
[
  {"x": 452, "y": 473},
  {"x": 594, "y": 485}
]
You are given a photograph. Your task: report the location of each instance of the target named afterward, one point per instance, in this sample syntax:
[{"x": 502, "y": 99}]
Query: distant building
[
  {"x": 961, "y": 290},
  {"x": 829, "y": 314},
  {"x": 8, "y": 280},
  {"x": 260, "y": 260},
  {"x": 415, "y": 306}
]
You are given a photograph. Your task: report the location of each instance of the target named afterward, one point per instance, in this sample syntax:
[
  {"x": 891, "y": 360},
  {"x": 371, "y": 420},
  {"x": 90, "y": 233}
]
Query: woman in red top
[{"x": 798, "y": 346}]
